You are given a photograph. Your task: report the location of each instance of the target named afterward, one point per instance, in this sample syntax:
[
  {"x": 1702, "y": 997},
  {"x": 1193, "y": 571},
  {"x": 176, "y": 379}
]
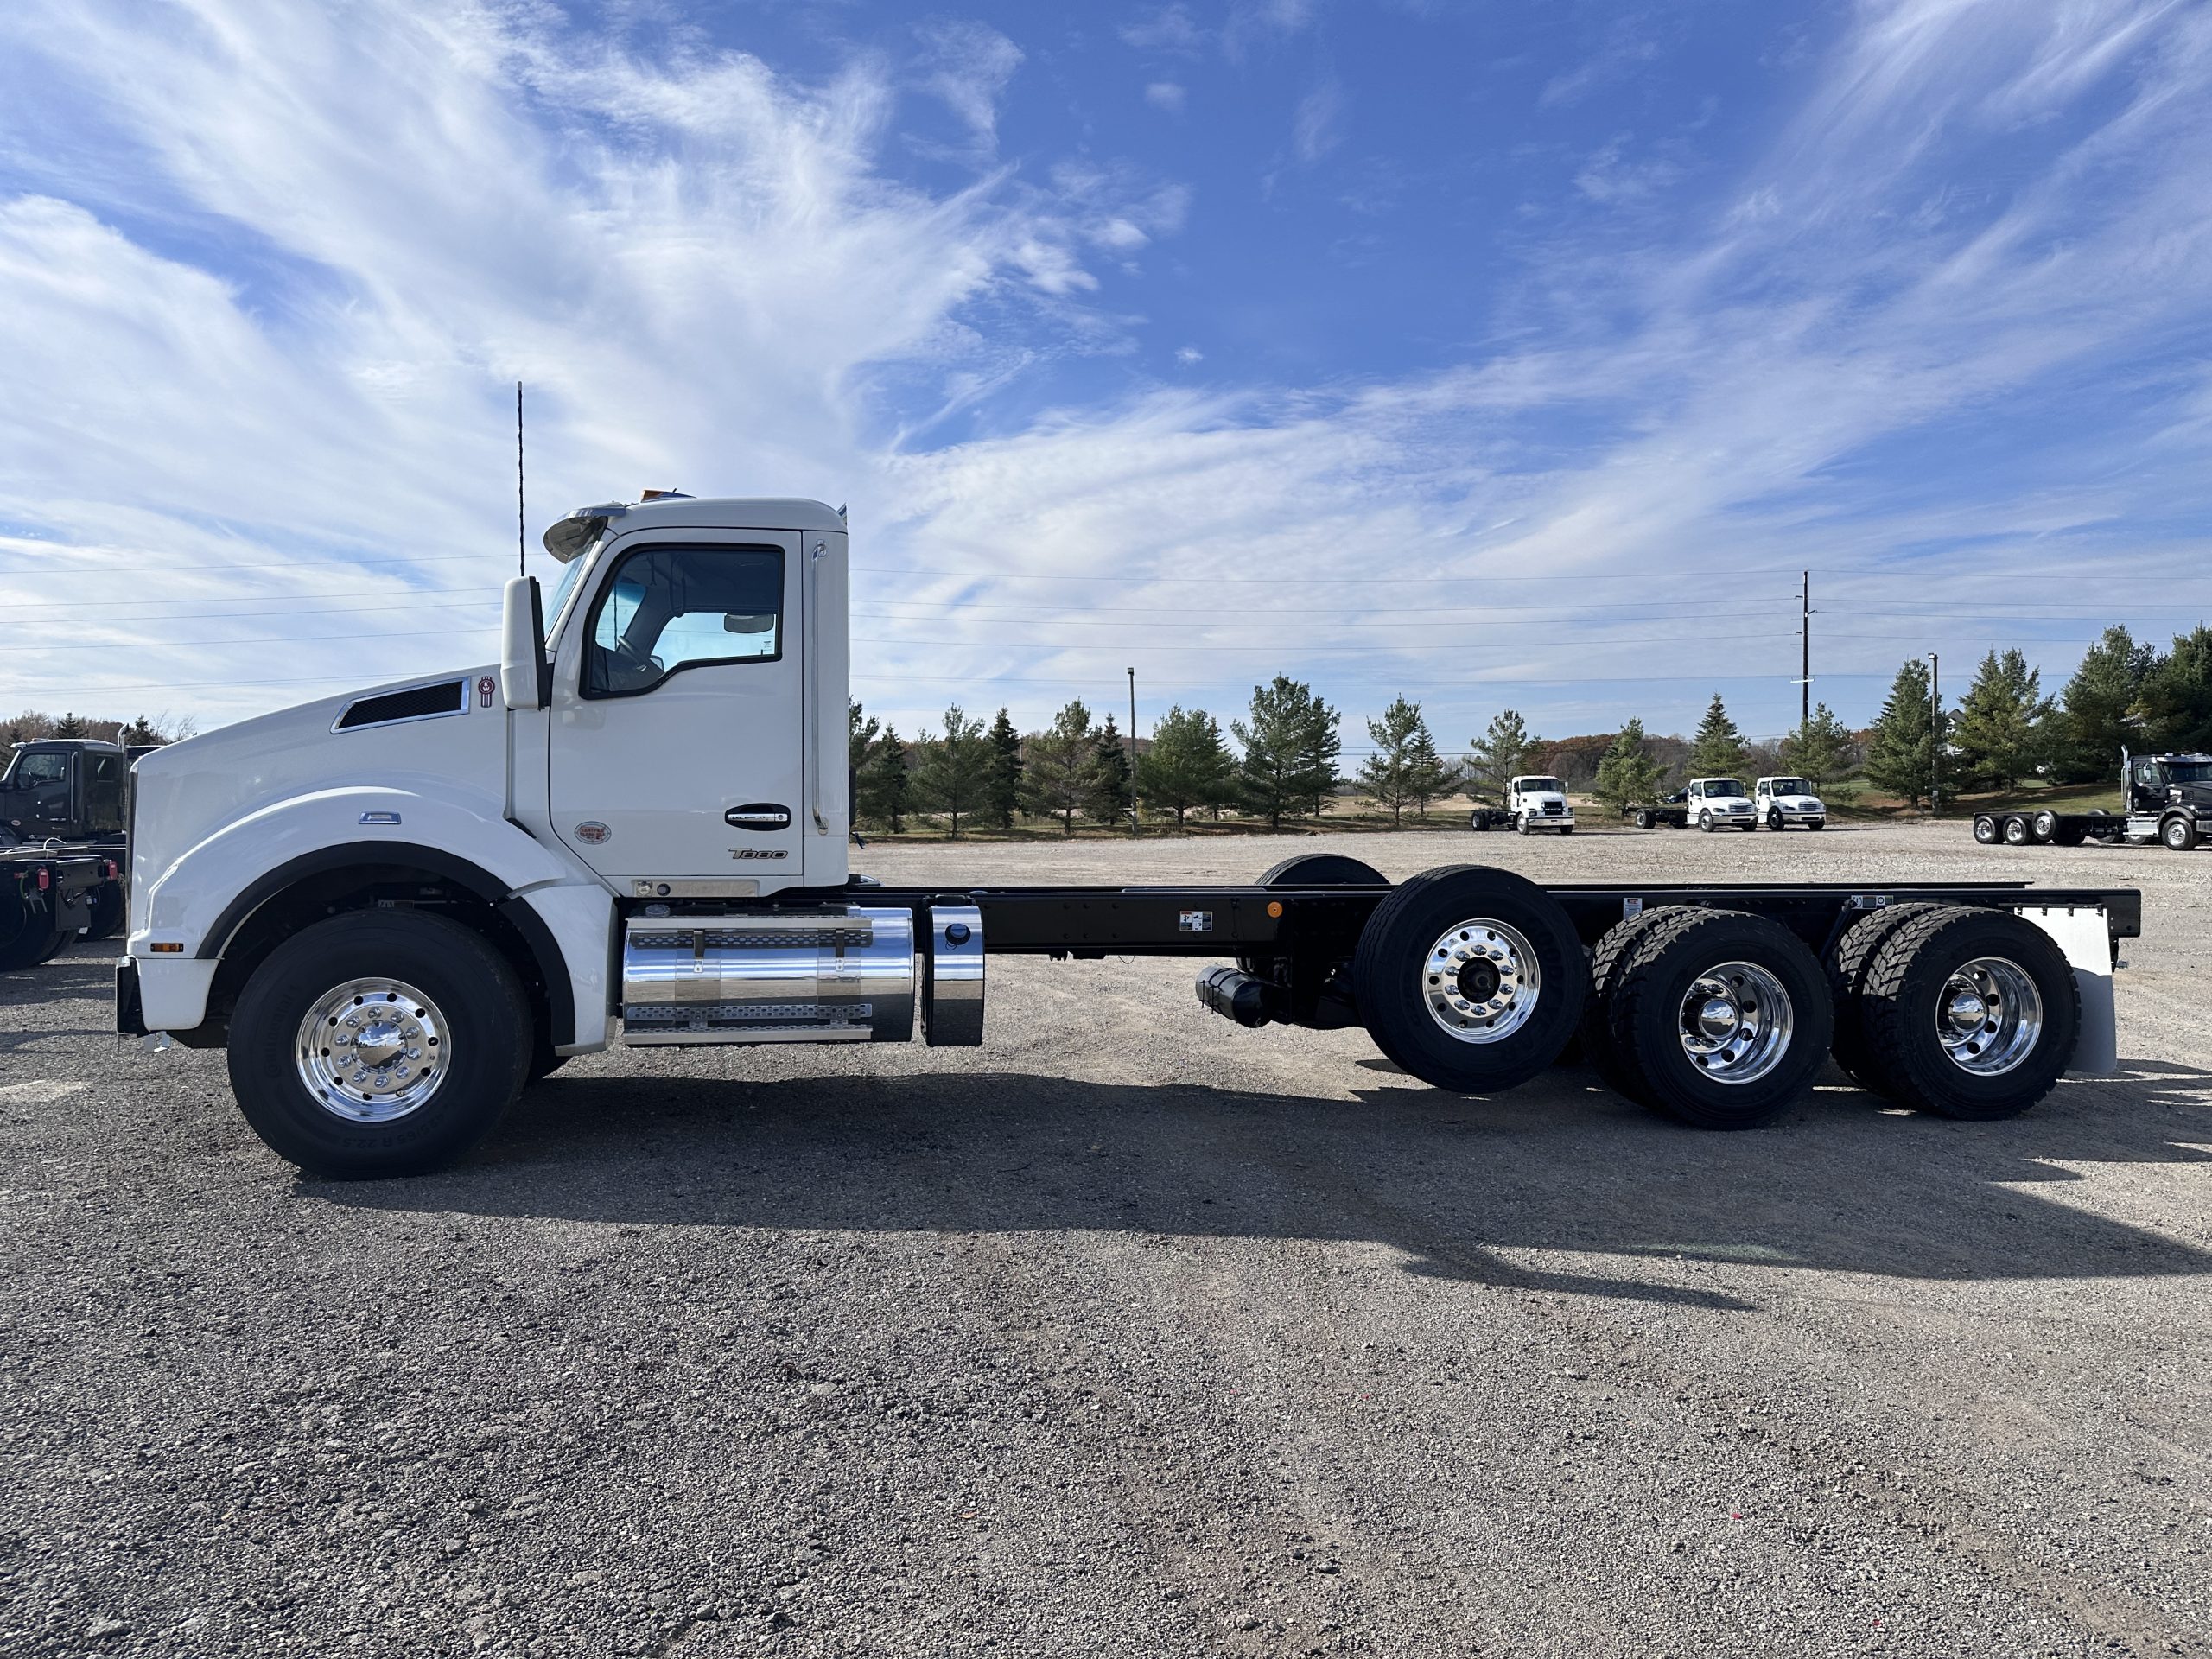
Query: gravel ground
[{"x": 1130, "y": 1333}]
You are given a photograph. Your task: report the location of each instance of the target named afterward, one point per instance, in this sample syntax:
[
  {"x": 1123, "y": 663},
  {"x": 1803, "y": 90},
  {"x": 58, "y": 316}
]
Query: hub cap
[
  {"x": 1989, "y": 1016},
  {"x": 1481, "y": 981},
  {"x": 1736, "y": 1021},
  {"x": 373, "y": 1050}
]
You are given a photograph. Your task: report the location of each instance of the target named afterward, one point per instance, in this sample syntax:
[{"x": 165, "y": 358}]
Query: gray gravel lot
[{"x": 1132, "y": 1332}]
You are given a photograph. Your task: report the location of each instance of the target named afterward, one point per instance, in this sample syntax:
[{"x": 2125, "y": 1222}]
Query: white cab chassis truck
[
  {"x": 1780, "y": 802},
  {"x": 1534, "y": 803},
  {"x": 396, "y": 908},
  {"x": 1710, "y": 804}
]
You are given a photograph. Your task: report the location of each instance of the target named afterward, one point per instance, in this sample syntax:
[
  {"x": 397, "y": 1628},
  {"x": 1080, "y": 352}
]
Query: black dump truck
[
  {"x": 62, "y": 853},
  {"x": 2169, "y": 801}
]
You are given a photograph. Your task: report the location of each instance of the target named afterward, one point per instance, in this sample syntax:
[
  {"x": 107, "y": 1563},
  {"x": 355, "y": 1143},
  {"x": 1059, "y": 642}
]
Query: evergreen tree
[
  {"x": 884, "y": 783},
  {"x": 1057, "y": 765},
  {"x": 1003, "y": 798},
  {"x": 69, "y": 726},
  {"x": 1188, "y": 765},
  {"x": 953, "y": 774},
  {"x": 2177, "y": 698},
  {"x": 1997, "y": 729},
  {"x": 2101, "y": 703},
  {"x": 1109, "y": 798},
  {"x": 1503, "y": 752},
  {"x": 1717, "y": 751},
  {"x": 1290, "y": 751},
  {"x": 1824, "y": 752},
  {"x": 1628, "y": 774},
  {"x": 1820, "y": 749},
  {"x": 1404, "y": 767},
  {"x": 1901, "y": 752},
  {"x": 141, "y": 731},
  {"x": 862, "y": 736}
]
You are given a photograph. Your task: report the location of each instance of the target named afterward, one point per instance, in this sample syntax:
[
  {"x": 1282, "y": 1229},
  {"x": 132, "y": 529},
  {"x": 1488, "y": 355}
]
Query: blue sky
[{"x": 1489, "y": 353}]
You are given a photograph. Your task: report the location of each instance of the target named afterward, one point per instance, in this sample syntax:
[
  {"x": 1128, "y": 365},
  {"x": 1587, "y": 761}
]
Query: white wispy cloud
[{"x": 709, "y": 277}]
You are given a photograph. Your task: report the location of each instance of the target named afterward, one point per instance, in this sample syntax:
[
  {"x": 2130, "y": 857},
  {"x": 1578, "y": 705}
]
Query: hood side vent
[{"x": 417, "y": 702}]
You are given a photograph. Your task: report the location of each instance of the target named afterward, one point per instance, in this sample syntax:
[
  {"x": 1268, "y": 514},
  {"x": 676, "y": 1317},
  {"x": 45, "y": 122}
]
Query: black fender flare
[{"x": 511, "y": 906}]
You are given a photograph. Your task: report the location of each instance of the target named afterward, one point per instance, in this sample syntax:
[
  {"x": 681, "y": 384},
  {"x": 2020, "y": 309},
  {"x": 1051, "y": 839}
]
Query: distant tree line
[{"x": 32, "y": 726}]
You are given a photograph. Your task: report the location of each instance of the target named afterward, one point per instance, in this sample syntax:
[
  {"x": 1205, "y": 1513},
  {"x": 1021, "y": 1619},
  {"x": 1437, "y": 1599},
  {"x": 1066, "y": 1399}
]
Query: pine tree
[
  {"x": 1404, "y": 767},
  {"x": 1900, "y": 756},
  {"x": 1717, "y": 751},
  {"x": 69, "y": 726},
  {"x": 1188, "y": 765},
  {"x": 1997, "y": 729},
  {"x": 141, "y": 731},
  {"x": 2177, "y": 698},
  {"x": 1290, "y": 752},
  {"x": 1627, "y": 775},
  {"x": 884, "y": 783},
  {"x": 1003, "y": 798},
  {"x": 1057, "y": 765},
  {"x": 1501, "y": 753},
  {"x": 1820, "y": 749},
  {"x": 2101, "y": 703},
  {"x": 1109, "y": 798},
  {"x": 955, "y": 770}
]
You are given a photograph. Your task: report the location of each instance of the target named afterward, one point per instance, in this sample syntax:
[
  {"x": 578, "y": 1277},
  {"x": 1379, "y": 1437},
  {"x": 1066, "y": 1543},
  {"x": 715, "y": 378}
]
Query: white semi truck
[
  {"x": 1534, "y": 803},
  {"x": 396, "y": 907}
]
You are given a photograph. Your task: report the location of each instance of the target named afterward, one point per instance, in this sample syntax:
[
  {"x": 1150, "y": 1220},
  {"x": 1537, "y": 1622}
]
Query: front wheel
[
  {"x": 2179, "y": 833},
  {"x": 1470, "y": 979},
  {"x": 1774, "y": 821},
  {"x": 1705, "y": 821},
  {"x": 378, "y": 1043}
]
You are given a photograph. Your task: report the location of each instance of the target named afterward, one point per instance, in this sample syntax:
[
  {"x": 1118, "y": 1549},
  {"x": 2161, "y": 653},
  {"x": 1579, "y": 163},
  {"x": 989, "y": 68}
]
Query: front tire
[
  {"x": 425, "y": 1038},
  {"x": 1470, "y": 979},
  {"x": 2179, "y": 834},
  {"x": 1705, "y": 821},
  {"x": 1774, "y": 820}
]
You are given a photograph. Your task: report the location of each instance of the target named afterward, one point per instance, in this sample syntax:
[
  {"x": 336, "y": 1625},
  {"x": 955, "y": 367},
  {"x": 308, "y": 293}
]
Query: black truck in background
[
  {"x": 2168, "y": 796},
  {"x": 62, "y": 854}
]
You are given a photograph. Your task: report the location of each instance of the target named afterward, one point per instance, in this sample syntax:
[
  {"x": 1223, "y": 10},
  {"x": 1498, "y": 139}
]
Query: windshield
[
  {"x": 570, "y": 576},
  {"x": 1713, "y": 786},
  {"x": 1540, "y": 785},
  {"x": 2189, "y": 772},
  {"x": 1789, "y": 786}
]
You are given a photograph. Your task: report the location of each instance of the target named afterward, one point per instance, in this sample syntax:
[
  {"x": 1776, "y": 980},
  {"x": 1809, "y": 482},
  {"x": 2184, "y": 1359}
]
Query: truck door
[{"x": 676, "y": 748}]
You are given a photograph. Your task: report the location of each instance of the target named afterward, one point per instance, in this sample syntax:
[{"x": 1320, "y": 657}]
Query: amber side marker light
[
  {"x": 166, "y": 949},
  {"x": 1275, "y": 909}
]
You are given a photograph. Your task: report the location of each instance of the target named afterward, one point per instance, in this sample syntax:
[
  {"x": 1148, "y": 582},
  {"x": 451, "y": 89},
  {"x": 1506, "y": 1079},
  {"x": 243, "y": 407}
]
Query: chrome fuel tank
[{"x": 839, "y": 974}]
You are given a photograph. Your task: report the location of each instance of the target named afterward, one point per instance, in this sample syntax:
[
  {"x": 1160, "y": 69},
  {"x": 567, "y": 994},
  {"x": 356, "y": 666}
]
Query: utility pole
[
  {"x": 1805, "y": 637},
  {"x": 1134, "y": 803},
  {"x": 522, "y": 536},
  {"x": 1934, "y": 735}
]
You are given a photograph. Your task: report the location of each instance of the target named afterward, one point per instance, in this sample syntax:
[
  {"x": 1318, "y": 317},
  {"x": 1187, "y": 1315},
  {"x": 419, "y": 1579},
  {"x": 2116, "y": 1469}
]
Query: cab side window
[
  {"x": 37, "y": 769},
  {"x": 665, "y": 608}
]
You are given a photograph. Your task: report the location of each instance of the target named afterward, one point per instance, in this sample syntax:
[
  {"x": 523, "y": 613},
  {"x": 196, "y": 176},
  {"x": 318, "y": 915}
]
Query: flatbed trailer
[
  {"x": 395, "y": 908},
  {"x": 49, "y": 892}
]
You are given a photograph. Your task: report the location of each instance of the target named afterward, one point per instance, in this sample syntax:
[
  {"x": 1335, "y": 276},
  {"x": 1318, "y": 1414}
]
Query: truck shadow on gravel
[{"x": 1561, "y": 1165}]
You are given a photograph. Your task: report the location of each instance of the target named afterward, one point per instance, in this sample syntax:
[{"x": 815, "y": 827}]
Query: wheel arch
[{"x": 364, "y": 875}]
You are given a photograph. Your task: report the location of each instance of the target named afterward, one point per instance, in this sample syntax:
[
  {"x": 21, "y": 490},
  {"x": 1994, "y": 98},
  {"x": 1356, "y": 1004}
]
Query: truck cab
[
  {"x": 63, "y": 789},
  {"x": 1537, "y": 803},
  {"x": 1719, "y": 804},
  {"x": 1780, "y": 802}
]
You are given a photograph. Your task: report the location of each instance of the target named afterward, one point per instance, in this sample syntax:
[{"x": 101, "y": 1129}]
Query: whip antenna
[{"x": 522, "y": 537}]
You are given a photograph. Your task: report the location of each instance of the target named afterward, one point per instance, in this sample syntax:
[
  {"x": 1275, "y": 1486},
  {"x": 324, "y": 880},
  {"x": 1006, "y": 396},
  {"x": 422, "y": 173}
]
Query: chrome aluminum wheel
[
  {"x": 1736, "y": 1021},
  {"x": 1989, "y": 1017},
  {"x": 1481, "y": 981},
  {"x": 371, "y": 1051}
]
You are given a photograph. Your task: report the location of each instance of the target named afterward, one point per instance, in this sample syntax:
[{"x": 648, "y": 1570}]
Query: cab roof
[{"x": 568, "y": 537}]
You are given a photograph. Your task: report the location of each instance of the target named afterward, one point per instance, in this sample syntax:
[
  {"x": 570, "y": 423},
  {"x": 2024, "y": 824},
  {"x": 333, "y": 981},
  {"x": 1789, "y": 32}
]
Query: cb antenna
[{"x": 522, "y": 541}]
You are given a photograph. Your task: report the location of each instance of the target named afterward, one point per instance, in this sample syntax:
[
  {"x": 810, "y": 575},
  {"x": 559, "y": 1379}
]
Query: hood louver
[{"x": 417, "y": 702}]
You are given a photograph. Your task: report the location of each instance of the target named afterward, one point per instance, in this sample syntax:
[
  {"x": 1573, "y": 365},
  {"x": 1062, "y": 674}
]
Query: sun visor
[{"x": 566, "y": 537}]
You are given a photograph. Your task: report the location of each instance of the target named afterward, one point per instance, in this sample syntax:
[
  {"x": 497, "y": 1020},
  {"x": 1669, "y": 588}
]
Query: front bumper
[{"x": 1798, "y": 814}]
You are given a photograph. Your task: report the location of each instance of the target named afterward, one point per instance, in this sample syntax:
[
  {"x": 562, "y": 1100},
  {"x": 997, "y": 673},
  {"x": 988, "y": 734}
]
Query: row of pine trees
[{"x": 1285, "y": 760}]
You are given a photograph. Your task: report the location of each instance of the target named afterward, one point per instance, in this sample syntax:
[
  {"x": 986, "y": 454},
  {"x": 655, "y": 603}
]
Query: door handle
[{"x": 759, "y": 815}]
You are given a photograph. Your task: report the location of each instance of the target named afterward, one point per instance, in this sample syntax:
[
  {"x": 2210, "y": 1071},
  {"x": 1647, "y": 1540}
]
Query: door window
[
  {"x": 47, "y": 767},
  {"x": 664, "y": 609}
]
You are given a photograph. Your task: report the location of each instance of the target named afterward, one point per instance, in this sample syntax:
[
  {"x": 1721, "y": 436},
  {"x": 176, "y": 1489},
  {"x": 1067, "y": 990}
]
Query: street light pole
[
  {"x": 1134, "y": 802},
  {"x": 1934, "y": 735}
]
